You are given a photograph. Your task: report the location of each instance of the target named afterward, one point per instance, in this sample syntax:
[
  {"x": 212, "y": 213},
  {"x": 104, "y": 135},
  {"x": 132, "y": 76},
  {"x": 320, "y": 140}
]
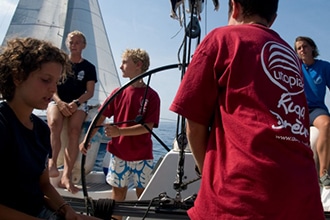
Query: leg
[
  {"x": 322, "y": 123},
  {"x": 55, "y": 123},
  {"x": 139, "y": 191},
  {"x": 71, "y": 152},
  {"x": 118, "y": 178},
  {"x": 142, "y": 173},
  {"x": 119, "y": 194}
]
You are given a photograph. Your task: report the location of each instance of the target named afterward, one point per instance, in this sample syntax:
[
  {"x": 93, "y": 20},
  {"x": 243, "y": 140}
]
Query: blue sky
[{"x": 146, "y": 24}]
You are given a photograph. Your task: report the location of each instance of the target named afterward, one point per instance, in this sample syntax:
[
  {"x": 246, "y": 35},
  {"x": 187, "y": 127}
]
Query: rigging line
[
  {"x": 156, "y": 137},
  {"x": 183, "y": 44},
  {"x": 193, "y": 11},
  {"x": 205, "y": 28},
  {"x": 177, "y": 33},
  {"x": 148, "y": 209},
  {"x": 178, "y": 54},
  {"x": 178, "y": 184}
]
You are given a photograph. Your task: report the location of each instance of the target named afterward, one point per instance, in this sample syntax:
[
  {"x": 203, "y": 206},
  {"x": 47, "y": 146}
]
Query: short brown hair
[{"x": 310, "y": 41}]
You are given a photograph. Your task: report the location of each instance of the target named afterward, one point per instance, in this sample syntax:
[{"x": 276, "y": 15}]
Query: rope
[{"x": 104, "y": 208}]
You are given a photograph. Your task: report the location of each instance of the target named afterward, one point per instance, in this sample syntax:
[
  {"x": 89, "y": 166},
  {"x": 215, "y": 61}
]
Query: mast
[{"x": 52, "y": 20}]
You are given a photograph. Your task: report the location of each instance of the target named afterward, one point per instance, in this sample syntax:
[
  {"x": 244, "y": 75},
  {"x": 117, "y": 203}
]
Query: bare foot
[
  {"x": 53, "y": 171},
  {"x": 67, "y": 184}
]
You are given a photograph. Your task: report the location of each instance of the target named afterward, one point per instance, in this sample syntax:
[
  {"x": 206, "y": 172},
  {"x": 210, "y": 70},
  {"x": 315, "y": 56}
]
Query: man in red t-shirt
[{"x": 247, "y": 122}]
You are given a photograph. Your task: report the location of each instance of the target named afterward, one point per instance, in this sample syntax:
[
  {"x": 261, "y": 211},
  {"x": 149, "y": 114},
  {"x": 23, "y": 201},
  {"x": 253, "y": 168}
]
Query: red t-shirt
[
  {"x": 245, "y": 82},
  {"x": 125, "y": 108}
]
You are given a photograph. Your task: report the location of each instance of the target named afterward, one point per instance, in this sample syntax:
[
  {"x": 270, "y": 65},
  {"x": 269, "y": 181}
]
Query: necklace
[{"x": 139, "y": 84}]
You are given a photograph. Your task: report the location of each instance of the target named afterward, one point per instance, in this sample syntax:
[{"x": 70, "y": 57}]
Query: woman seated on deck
[{"x": 70, "y": 102}]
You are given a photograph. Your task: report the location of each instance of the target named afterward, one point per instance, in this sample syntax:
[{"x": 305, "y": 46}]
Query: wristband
[
  {"x": 77, "y": 102},
  {"x": 61, "y": 206}
]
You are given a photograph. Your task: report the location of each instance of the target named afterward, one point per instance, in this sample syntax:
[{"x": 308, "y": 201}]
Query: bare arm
[
  {"x": 115, "y": 131},
  {"x": 93, "y": 132},
  {"x": 53, "y": 199},
  {"x": 84, "y": 97},
  {"x": 67, "y": 109},
  {"x": 62, "y": 106},
  {"x": 197, "y": 135},
  {"x": 89, "y": 92},
  {"x": 8, "y": 213}
]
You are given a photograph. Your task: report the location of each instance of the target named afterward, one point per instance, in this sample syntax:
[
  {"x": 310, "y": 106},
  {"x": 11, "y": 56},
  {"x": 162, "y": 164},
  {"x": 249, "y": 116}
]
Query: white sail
[{"x": 52, "y": 20}]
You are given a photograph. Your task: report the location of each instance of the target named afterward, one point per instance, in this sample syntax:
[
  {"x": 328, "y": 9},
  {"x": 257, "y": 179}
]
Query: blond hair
[
  {"x": 75, "y": 33},
  {"x": 138, "y": 55}
]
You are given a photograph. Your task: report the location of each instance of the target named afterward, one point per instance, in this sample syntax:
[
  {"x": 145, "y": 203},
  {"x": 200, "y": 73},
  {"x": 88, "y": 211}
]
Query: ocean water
[{"x": 165, "y": 132}]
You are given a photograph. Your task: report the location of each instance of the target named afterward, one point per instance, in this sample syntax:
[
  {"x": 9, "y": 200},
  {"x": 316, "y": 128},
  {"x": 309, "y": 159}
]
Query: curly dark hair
[{"x": 21, "y": 56}]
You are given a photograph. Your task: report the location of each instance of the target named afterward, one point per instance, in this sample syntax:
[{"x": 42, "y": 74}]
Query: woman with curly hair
[{"x": 30, "y": 70}]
